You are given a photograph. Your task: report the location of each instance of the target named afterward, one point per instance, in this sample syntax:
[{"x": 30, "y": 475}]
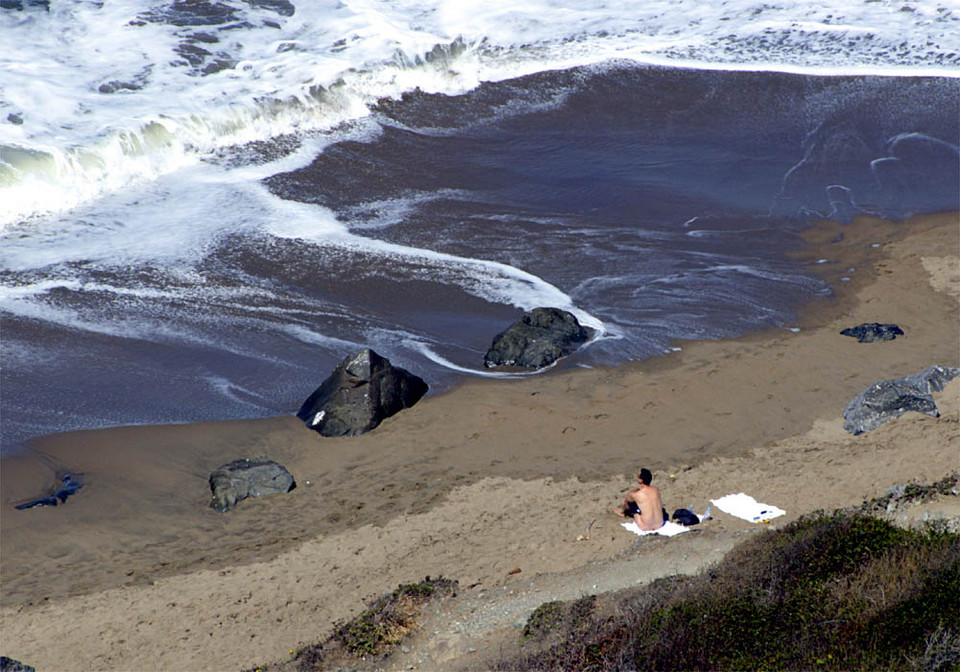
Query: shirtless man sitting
[{"x": 644, "y": 504}]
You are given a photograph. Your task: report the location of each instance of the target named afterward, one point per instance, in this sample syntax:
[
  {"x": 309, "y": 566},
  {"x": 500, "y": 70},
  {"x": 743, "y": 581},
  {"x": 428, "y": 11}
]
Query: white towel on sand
[
  {"x": 746, "y": 507},
  {"x": 669, "y": 529}
]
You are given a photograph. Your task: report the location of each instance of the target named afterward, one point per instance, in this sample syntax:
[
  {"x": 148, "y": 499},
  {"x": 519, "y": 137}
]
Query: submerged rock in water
[
  {"x": 363, "y": 390},
  {"x": 18, "y": 5},
  {"x": 887, "y": 400},
  {"x": 870, "y": 332},
  {"x": 117, "y": 85},
  {"x": 539, "y": 338},
  {"x": 233, "y": 482}
]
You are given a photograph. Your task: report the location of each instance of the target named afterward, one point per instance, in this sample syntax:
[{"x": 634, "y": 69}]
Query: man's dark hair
[{"x": 646, "y": 476}]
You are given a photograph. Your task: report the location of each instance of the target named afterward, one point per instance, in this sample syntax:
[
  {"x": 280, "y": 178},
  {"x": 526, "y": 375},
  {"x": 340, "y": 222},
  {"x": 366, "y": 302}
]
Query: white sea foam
[
  {"x": 490, "y": 280},
  {"x": 383, "y": 214},
  {"x": 234, "y": 392},
  {"x": 428, "y": 352},
  {"x": 65, "y": 138},
  {"x": 20, "y": 292},
  {"x": 306, "y": 335},
  {"x": 76, "y": 319}
]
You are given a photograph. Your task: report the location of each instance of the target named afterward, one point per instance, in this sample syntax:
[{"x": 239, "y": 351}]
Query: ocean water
[{"x": 205, "y": 205}]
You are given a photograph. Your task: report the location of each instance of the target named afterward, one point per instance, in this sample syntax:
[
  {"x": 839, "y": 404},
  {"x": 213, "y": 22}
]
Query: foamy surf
[{"x": 95, "y": 97}]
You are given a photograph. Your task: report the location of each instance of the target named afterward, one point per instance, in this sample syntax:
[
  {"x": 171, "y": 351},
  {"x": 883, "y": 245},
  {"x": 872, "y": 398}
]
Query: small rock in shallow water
[{"x": 538, "y": 339}]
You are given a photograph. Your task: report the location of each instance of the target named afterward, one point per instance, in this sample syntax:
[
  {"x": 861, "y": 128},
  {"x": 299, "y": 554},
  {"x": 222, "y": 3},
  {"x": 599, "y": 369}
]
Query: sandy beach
[{"x": 136, "y": 572}]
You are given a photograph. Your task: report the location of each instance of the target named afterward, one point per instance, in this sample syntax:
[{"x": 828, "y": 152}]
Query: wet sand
[{"x": 136, "y": 572}]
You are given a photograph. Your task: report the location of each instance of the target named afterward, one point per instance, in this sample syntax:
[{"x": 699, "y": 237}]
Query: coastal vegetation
[
  {"x": 372, "y": 634},
  {"x": 836, "y": 591},
  {"x": 831, "y": 591}
]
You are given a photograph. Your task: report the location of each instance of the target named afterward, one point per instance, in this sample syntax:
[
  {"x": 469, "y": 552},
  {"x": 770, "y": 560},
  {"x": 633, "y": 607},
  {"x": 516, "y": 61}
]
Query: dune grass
[
  {"x": 840, "y": 591},
  {"x": 371, "y": 635},
  {"x": 384, "y": 624}
]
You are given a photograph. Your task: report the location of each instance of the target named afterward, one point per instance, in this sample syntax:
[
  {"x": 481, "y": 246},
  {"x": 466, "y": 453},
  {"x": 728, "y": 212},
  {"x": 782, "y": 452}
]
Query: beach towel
[
  {"x": 669, "y": 529},
  {"x": 746, "y": 507}
]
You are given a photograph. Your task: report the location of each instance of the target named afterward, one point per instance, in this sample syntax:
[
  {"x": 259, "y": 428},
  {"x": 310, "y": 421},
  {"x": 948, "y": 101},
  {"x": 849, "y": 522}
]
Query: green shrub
[
  {"x": 385, "y": 622},
  {"x": 838, "y": 591},
  {"x": 543, "y": 619},
  {"x": 388, "y": 619},
  {"x": 550, "y": 616}
]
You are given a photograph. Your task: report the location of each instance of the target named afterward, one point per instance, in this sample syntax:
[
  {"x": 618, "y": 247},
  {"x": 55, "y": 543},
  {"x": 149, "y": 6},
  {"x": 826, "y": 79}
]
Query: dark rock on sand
[
  {"x": 870, "y": 332},
  {"x": 539, "y": 338},
  {"x": 11, "y": 665},
  {"x": 363, "y": 390},
  {"x": 69, "y": 485},
  {"x": 887, "y": 400},
  {"x": 233, "y": 482}
]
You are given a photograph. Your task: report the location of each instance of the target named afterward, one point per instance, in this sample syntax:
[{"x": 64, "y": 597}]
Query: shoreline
[{"x": 477, "y": 480}]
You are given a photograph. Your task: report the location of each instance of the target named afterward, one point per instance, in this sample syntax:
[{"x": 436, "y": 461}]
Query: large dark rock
[
  {"x": 539, "y": 338},
  {"x": 233, "y": 482},
  {"x": 887, "y": 400},
  {"x": 869, "y": 332},
  {"x": 363, "y": 390}
]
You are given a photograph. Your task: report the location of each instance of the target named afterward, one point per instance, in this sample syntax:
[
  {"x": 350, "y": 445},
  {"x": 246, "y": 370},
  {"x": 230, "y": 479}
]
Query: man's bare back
[{"x": 644, "y": 503}]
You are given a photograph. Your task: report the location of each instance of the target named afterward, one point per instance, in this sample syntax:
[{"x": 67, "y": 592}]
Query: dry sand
[{"x": 136, "y": 572}]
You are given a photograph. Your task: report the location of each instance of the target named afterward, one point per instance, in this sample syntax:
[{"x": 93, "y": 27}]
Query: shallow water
[{"x": 209, "y": 241}]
